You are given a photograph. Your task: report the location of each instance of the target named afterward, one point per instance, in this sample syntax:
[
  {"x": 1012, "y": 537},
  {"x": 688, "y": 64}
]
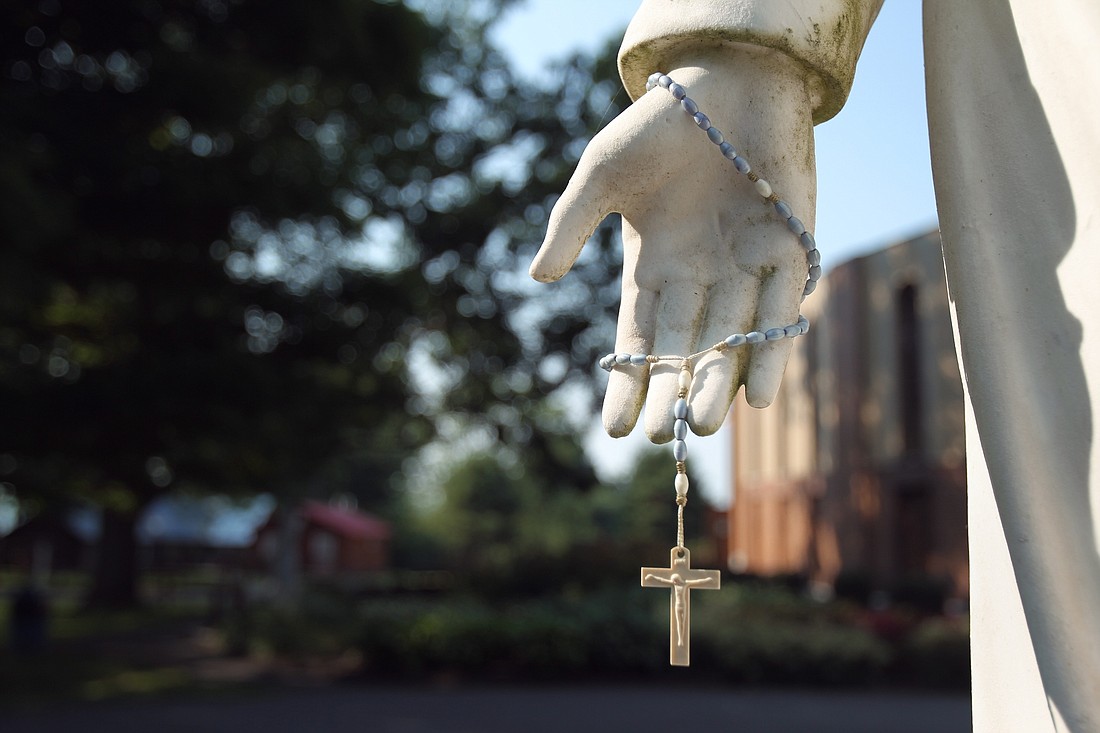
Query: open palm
[{"x": 704, "y": 255}]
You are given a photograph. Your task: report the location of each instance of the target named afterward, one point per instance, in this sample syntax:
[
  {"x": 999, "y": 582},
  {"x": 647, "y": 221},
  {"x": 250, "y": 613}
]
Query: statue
[{"x": 1015, "y": 135}]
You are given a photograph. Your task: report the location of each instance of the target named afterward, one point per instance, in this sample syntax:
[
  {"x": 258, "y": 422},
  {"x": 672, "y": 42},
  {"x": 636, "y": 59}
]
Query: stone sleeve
[{"x": 826, "y": 36}]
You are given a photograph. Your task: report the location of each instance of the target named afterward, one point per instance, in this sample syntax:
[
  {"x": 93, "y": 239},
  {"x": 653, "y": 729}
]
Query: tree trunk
[{"x": 114, "y": 582}]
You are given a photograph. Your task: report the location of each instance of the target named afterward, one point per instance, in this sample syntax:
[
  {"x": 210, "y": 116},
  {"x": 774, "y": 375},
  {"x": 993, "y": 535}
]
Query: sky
[{"x": 874, "y": 176}]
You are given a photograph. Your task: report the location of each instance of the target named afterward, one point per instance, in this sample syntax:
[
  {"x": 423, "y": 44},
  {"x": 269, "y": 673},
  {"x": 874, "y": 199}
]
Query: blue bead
[
  {"x": 811, "y": 285},
  {"x": 755, "y": 337},
  {"x": 783, "y": 209},
  {"x": 774, "y": 334},
  {"x": 793, "y": 330},
  {"x": 689, "y": 105},
  {"x": 741, "y": 165},
  {"x": 637, "y": 359},
  {"x": 678, "y": 92},
  {"x": 653, "y": 78},
  {"x": 728, "y": 150},
  {"x": 737, "y": 339},
  {"x": 814, "y": 257},
  {"x": 607, "y": 362},
  {"x": 680, "y": 429},
  {"x": 680, "y": 409},
  {"x": 664, "y": 80},
  {"x": 679, "y": 450},
  {"x": 622, "y": 358},
  {"x": 702, "y": 120},
  {"x": 815, "y": 273},
  {"x": 795, "y": 225},
  {"x": 803, "y": 324},
  {"x": 808, "y": 241},
  {"x": 715, "y": 136}
]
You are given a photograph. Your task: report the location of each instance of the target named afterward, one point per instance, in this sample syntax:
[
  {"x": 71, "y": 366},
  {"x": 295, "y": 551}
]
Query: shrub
[{"x": 937, "y": 654}]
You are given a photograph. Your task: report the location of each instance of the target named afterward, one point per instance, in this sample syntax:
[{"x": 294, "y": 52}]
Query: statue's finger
[
  {"x": 680, "y": 311},
  {"x": 731, "y": 311},
  {"x": 627, "y": 385},
  {"x": 778, "y": 308}
]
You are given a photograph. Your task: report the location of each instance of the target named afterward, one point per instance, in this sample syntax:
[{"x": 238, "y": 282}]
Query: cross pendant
[{"x": 681, "y": 580}]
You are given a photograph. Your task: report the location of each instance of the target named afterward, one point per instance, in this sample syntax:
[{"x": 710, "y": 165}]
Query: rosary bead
[
  {"x": 737, "y": 339},
  {"x": 815, "y": 273},
  {"x": 622, "y": 358},
  {"x": 811, "y": 285},
  {"x": 681, "y": 484},
  {"x": 795, "y": 225},
  {"x": 793, "y": 330},
  {"x": 702, "y": 120},
  {"x": 813, "y": 257},
  {"x": 679, "y": 450},
  {"x": 652, "y": 80},
  {"x": 755, "y": 337},
  {"x": 741, "y": 165},
  {"x": 638, "y": 359},
  {"x": 763, "y": 188},
  {"x": 803, "y": 324},
  {"x": 728, "y": 150},
  {"x": 715, "y": 136},
  {"x": 607, "y": 362},
  {"x": 774, "y": 334},
  {"x": 680, "y": 410},
  {"x": 664, "y": 80},
  {"x": 680, "y": 429},
  {"x": 689, "y": 105},
  {"x": 678, "y": 92},
  {"x": 808, "y": 241},
  {"x": 783, "y": 209},
  {"x": 684, "y": 380}
]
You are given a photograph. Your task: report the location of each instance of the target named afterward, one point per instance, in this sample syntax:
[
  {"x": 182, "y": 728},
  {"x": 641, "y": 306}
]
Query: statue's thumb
[{"x": 575, "y": 216}]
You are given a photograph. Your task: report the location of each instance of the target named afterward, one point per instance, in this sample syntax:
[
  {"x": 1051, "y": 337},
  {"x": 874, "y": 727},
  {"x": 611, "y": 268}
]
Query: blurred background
[{"x": 283, "y": 418}]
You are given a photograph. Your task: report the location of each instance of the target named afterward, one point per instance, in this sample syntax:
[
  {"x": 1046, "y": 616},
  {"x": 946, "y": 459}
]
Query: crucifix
[{"x": 680, "y": 579}]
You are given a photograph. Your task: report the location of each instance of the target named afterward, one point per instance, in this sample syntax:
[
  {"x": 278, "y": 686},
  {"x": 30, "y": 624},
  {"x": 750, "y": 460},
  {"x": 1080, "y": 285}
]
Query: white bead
[
  {"x": 763, "y": 188},
  {"x": 681, "y": 484},
  {"x": 684, "y": 380}
]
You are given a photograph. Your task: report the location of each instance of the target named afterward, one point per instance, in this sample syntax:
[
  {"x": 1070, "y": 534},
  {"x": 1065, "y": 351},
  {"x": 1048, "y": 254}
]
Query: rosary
[{"x": 680, "y": 578}]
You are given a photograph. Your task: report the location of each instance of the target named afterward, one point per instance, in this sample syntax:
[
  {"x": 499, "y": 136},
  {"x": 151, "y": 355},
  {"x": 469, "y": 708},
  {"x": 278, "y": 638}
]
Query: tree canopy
[{"x": 245, "y": 240}]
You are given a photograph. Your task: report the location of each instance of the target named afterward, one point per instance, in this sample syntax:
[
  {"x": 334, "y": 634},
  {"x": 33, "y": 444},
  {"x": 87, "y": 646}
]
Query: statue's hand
[{"x": 705, "y": 256}]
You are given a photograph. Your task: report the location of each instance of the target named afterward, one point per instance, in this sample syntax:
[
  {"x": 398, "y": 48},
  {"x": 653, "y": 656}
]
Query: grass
[{"x": 94, "y": 656}]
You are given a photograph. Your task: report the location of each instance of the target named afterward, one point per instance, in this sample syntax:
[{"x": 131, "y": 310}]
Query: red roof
[{"x": 345, "y": 521}]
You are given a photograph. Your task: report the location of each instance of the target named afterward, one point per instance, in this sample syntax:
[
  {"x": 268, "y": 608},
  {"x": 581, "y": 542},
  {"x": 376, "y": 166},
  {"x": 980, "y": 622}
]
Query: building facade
[{"x": 857, "y": 470}]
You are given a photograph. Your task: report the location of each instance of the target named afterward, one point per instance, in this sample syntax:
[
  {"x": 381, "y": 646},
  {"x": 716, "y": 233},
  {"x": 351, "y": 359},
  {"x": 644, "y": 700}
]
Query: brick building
[{"x": 858, "y": 466}]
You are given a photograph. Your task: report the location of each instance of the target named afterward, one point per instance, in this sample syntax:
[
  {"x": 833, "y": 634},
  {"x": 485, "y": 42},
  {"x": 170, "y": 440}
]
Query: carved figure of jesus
[
  {"x": 679, "y": 595},
  {"x": 680, "y": 578}
]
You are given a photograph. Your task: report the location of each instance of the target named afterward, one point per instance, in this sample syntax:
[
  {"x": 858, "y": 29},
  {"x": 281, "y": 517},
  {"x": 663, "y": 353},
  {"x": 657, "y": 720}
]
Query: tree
[{"x": 246, "y": 240}]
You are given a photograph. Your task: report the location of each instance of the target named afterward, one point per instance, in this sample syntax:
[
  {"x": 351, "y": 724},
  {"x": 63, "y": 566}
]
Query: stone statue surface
[{"x": 1015, "y": 136}]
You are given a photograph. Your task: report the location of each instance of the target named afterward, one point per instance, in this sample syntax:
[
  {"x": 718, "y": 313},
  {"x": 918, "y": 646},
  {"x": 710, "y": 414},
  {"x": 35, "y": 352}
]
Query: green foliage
[
  {"x": 937, "y": 654},
  {"x": 534, "y": 520},
  {"x": 771, "y": 636},
  {"x": 737, "y": 635},
  {"x": 255, "y": 248}
]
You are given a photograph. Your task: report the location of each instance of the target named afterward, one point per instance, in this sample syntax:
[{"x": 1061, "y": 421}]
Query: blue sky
[{"x": 874, "y": 176}]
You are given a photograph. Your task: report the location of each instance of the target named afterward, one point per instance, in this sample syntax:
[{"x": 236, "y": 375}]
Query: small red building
[{"x": 332, "y": 539}]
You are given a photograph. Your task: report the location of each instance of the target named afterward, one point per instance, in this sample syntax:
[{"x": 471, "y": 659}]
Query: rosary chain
[{"x": 800, "y": 327}]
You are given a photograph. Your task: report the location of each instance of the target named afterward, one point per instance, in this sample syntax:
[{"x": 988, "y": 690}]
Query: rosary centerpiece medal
[{"x": 679, "y": 578}]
